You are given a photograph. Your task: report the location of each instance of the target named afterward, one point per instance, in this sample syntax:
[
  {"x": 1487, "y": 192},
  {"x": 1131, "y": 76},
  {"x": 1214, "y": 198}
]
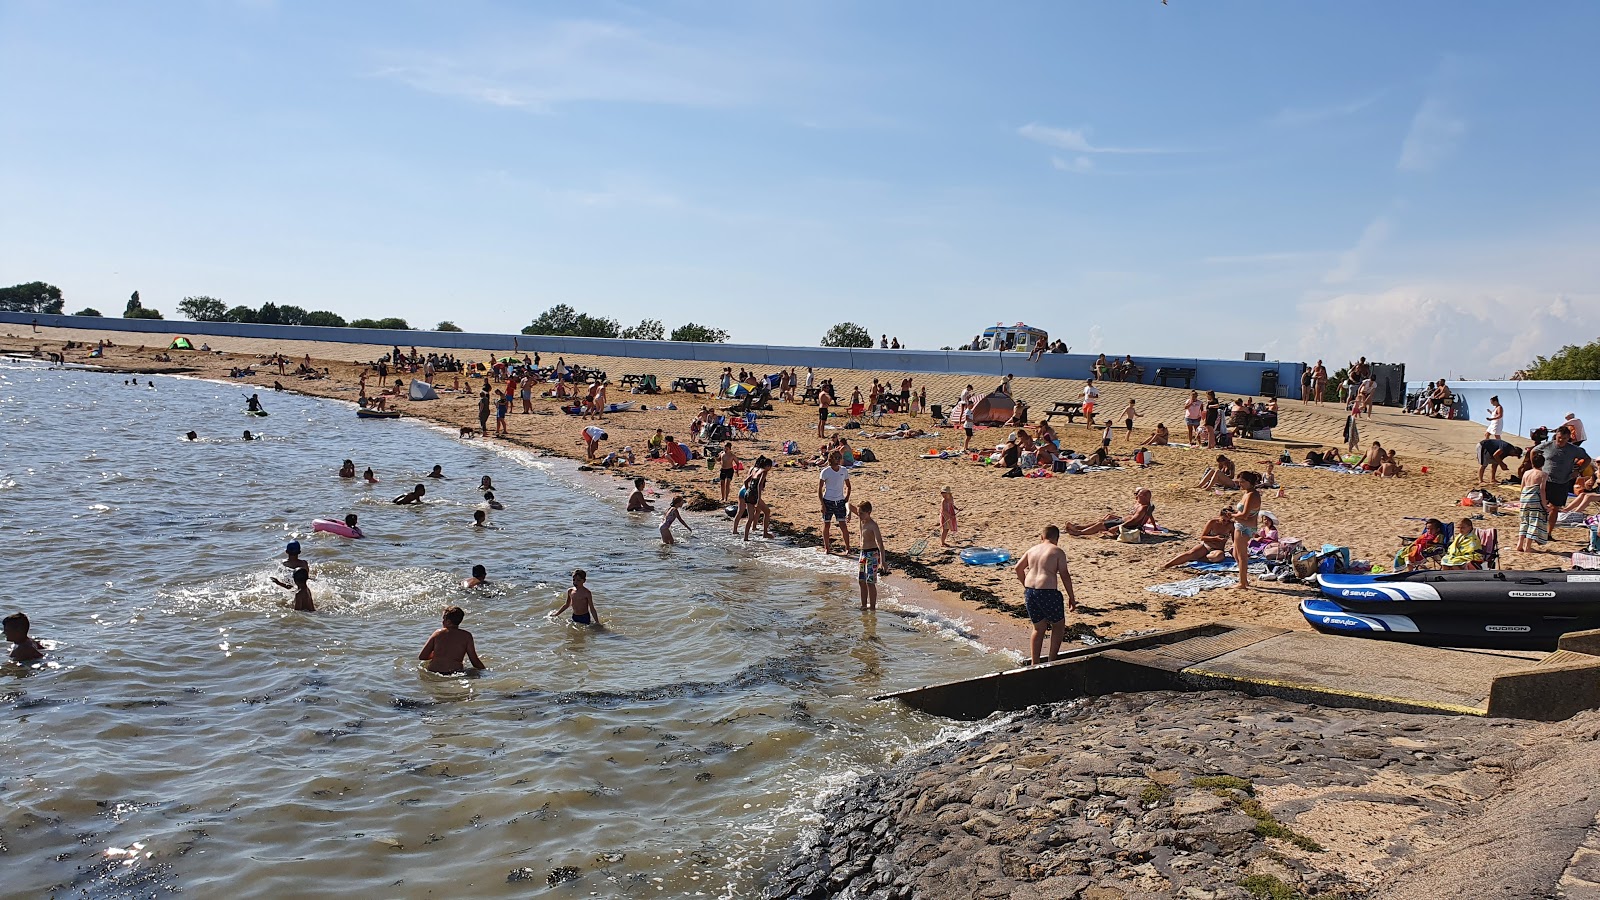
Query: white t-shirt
[
  {"x": 1090, "y": 393},
  {"x": 833, "y": 481},
  {"x": 594, "y": 433},
  {"x": 966, "y": 417},
  {"x": 1576, "y": 424}
]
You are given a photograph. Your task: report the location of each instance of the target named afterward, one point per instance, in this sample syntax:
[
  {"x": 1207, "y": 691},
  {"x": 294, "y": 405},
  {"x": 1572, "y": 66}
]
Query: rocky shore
[{"x": 1218, "y": 795}]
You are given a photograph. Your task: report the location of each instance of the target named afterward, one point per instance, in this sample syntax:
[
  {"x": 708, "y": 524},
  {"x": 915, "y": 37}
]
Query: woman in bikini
[
  {"x": 1220, "y": 476},
  {"x": 1246, "y": 521}
]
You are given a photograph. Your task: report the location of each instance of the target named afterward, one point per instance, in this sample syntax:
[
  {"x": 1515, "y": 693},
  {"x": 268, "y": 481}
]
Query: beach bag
[
  {"x": 1059, "y": 465},
  {"x": 866, "y": 455},
  {"x": 852, "y": 424},
  {"x": 791, "y": 447},
  {"x": 1130, "y": 535}
]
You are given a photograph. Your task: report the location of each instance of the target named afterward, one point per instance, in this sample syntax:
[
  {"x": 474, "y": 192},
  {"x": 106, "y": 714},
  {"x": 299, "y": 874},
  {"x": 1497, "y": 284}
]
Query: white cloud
[
  {"x": 1352, "y": 260},
  {"x": 1445, "y": 329},
  {"x": 1434, "y": 133},
  {"x": 590, "y": 61},
  {"x": 1075, "y": 164},
  {"x": 1074, "y": 139},
  {"x": 1097, "y": 339},
  {"x": 1293, "y": 116}
]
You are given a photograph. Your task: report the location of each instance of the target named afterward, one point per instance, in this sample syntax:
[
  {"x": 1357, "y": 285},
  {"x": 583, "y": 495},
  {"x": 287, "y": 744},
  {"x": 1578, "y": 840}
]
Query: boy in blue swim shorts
[{"x": 871, "y": 556}]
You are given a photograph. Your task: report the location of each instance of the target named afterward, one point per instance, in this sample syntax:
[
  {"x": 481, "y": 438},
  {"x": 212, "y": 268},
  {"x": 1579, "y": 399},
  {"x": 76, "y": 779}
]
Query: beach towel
[{"x": 1191, "y": 587}]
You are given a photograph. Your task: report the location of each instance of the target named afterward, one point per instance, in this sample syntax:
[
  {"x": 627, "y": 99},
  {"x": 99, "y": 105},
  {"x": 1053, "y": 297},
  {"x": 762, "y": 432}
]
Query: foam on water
[{"x": 191, "y": 731}]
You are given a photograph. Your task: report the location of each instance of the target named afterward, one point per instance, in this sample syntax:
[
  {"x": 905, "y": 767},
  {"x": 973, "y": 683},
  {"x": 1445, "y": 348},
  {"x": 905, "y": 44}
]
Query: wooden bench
[
  {"x": 689, "y": 383},
  {"x": 1072, "y": 409},
  {"x": 1164, "y": 375}
]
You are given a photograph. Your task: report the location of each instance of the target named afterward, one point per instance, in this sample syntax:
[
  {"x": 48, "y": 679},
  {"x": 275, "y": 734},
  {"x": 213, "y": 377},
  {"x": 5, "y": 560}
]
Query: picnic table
[
  {"x": 811, "y": 394},
  {"x": 1072, "y": 409},
  {"x": 689, "y": 383}
]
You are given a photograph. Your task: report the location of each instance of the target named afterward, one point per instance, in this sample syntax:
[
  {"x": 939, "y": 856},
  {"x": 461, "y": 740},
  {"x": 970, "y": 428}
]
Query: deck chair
[
  {"x": 750, "y": 423},
  {"x": 1490, "y": 539},
  {"x": 1430, "y": 557}
]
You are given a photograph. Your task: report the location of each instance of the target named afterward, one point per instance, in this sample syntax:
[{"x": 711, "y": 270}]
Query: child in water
[
  {"x": 491, "y": 502},
  {"x": 302, "y": 593},
  {"x": 412, "y": 496},
  {"x": 447, "y": 647},
  {"x": 350, "y": 523},
  {"x": 438, "y": 472},
  {"x": 581, "y": 601},
  {"x": 636, "y": 500},
  {"x": 480, "y": 577},
  {"x": 675, "y": 514},
  {"x": 24, "y": 648},
  {"x": 480, "y": 519},
  {"x": 369, "y": 477}
]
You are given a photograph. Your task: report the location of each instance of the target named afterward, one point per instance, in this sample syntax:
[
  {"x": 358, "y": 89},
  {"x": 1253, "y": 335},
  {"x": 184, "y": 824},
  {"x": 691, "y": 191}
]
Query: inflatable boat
[
  {"x": 1458, "y": 608},
  {"x": 377, "y": 413}
]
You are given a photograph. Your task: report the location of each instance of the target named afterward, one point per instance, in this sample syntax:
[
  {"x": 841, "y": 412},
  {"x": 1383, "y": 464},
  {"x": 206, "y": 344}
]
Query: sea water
[{"x": 191, "y": 732}]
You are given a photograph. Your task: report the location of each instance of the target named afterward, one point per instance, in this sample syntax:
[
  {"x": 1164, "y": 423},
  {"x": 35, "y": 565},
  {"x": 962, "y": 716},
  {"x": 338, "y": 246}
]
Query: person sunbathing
[
  {"x": 1220, "y": 475},
  {"x": 1101, "y": 457},
  {"x": 1214, "y": 541},
  {"x": 1143, "y": 514},
  {"x": 1160, "y": 438},
  {"x": 1583, "y": 497}
]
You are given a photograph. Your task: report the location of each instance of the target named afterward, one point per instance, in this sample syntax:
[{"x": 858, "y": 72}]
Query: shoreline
[{"x": 1111, "y": 577}]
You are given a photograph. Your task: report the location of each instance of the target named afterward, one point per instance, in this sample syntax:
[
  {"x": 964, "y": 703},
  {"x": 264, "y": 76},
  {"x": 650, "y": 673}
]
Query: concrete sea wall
[
  {"x": 1232, "y": 377},
  {"x": 1529, "y": 404}
]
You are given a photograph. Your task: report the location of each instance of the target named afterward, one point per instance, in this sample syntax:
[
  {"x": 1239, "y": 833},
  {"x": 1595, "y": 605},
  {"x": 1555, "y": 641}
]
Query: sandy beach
[{"x": 1363, "y": 512}]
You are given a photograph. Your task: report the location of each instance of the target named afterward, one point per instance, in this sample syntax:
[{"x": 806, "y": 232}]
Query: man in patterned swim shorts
[{"x": 1038, "y": 570}]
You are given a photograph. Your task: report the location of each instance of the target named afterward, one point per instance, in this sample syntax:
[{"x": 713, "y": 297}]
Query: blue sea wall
[
  {"x": 1528, "y": 404},
  {"x": 1231, "y": 377}
]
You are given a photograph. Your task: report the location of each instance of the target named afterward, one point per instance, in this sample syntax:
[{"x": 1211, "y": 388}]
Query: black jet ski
[{"x": 1458, "y": 608}]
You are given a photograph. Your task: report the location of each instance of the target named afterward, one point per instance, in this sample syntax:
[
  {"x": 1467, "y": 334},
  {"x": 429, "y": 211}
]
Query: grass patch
[
  {"x": 1224, "y": 783},
  {"x": 1268, "y": 826},
  {"x": 1153, "y": 793},
  {"x": 1269, "y": 888}
]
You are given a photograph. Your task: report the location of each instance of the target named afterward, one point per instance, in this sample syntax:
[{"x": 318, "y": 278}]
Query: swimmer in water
[
  {"x": 412, "y": 496},
  {"x": 248, "y": 436},
  {"x": 480, "y": 577},
  {"x": 447, "y": 647},
  {"x": 480, "y": 519},
  {"x": 350, "y": 523},
  {"x": 191, "y": 436},
  {"x": 302, "y": 593},
  {"x": 485, "y": 484},
  {"x": 580, "y": 601},
  {"x": 370, "y": 478},
  {"x": 348, "y": 470},
  {"x": 488, "y": 498},
  {"x": 23, "y": 647},
  {"x": 675, "y": 514},
  {"x": 291, "y": 557},
  {"x": 253, "y": 404},
  {"x": 438, "y": 472},
  {"x": 636, "y": 500}
]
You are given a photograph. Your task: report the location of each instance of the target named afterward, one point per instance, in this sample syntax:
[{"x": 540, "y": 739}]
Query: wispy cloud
[
  {"x": 1075, "y": 164},
  {"x": 1076, "y": 140},
  {"x": 1351, "y": 261},
  {"x": 1434, "y": 132},
  {"x": 1248, "y": 259},
  {"x": 1295, "y": 116},
  {"x": 590, "y": 61}
]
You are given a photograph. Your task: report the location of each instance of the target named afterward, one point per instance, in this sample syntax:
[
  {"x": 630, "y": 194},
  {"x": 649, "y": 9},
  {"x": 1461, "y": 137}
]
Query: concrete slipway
[{"x": 1295, "y": 665}]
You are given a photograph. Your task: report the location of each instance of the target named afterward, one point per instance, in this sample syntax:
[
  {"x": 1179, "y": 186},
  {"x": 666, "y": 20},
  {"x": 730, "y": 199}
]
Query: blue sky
[{"x": 1406, "y": 181}]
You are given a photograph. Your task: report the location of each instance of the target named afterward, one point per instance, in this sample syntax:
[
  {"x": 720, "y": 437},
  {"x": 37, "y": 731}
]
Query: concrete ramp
[{"x": 1295, "y": 665}]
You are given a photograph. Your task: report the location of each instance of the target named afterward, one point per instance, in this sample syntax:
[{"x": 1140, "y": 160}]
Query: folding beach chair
[{"x": 1490, "y": 539}]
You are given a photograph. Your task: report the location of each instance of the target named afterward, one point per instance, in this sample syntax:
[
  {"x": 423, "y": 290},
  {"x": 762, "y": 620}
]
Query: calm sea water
[{"x": 191, "y": 732}]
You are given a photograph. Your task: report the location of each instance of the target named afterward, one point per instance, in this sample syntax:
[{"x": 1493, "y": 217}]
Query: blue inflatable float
[{"x": 985, "y": 556}]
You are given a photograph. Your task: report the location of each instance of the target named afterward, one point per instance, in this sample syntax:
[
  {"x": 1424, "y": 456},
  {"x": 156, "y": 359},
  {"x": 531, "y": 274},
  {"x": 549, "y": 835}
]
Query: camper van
[{"x": 1018, "y": 337}]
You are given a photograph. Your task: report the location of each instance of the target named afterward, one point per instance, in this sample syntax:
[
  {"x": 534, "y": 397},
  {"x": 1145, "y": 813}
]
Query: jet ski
[{"x": 1458, "y": 608}]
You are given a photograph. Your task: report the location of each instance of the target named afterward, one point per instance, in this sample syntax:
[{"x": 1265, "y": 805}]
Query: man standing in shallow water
[{"x": 1038, "y": 570}]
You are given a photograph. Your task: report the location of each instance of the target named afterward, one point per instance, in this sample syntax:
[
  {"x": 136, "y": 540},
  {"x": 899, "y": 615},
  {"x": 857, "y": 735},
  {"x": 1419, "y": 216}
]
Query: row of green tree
[{"x": 565, "y": 321}]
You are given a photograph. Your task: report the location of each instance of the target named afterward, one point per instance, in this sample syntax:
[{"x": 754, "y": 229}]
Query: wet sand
[{"x": 1366, "y": 513}]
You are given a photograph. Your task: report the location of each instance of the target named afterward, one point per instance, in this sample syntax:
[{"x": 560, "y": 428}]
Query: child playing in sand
[
  {"x": 302, "y": 593},
  {"x": 24, "y": 648},
  {"x": 675, "y": 514},
  {"x": 447, "y": 647},
  {"x": 636, "y": 500},
  {"x": 580, "y": 601},
  {"x": 947, "y": 516}
]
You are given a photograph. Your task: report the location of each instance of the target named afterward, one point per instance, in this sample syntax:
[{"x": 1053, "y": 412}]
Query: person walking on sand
[
  {"x": 965, "y": 413},
  {"x": 1319, "y": 383},
  {"x": 502, "y": 405},
  {"x": 1038, "y": 571},
  {"x": 450, "y": 645},
  {"x": 947, "y": 516},
  {"x": 483, "y": 409},
  {"x": 871, "y": 564},
  {"x": 1194, "y": 413},
  {"x": 753, "y": 500},
  {"x": 1129, "y": 413},
  {"x": 674, "y": 514},
  {"x": 824, "y": 400},
  {"x": 727, "y": 462},
  {"x": 1246, "y": 522}
]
